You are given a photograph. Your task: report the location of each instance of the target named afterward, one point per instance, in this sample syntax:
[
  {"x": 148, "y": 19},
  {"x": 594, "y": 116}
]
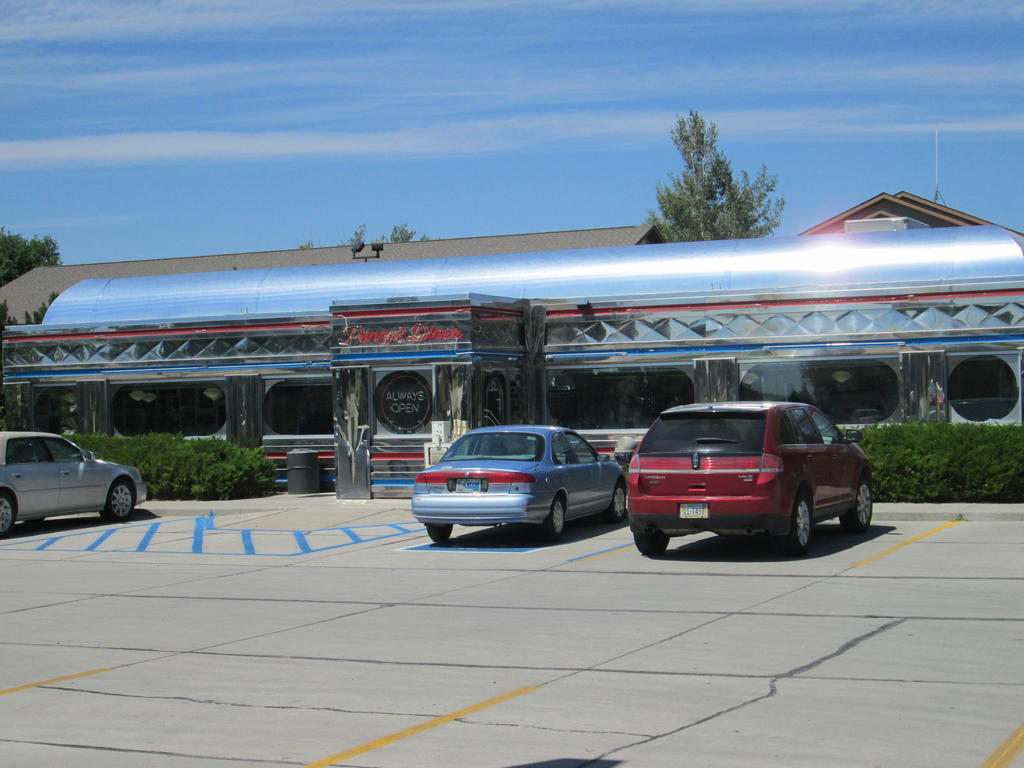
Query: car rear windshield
[
  {"x": 504, "y": 446},
  {"x": 682, "y": 433}
]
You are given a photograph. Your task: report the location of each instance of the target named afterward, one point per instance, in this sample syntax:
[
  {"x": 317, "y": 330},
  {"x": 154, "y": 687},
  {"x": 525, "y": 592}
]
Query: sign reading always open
[{"x": 403, "y": 402}]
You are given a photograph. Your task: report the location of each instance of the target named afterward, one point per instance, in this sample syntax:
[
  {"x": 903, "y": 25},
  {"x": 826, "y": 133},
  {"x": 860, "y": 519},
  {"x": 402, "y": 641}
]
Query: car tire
[
  {"x": 554, "y": 524},
  {"x": 858, "y": 519},
  {"x": 8, "y": 513},
  {"x": 120, "y": 502},
  {"x": 651, "y": 543},
  {"x": 438, "y": 532},
  {"x": 801, "y": 523},
  {"x": 617, "y": 507}
]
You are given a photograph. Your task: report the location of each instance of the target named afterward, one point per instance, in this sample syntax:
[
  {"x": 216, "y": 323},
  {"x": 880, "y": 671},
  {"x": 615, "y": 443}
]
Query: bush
[
  {"x": 176, "y": 468},
  {"x": 921, "y": 462}
]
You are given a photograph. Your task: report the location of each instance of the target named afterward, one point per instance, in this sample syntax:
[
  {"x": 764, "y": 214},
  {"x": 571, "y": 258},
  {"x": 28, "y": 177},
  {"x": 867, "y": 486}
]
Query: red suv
[{"x": 746, "y": 468}]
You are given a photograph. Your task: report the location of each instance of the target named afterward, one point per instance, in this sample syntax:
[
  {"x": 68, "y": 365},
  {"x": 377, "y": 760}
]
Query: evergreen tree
[{"x": 708, "y": 202}]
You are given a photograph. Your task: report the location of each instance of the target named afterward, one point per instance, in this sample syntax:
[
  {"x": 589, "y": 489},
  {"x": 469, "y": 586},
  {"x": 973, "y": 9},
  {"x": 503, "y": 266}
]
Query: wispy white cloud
[
  {"x": 472, "y": 137},
  {"x": 478, "y": 137},
  {"x": 52, "y": 20},
  {"x": 464, "y": 78}
]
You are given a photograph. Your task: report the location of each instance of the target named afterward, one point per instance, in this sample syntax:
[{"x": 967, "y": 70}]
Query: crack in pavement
[
  {"x": 154, "y": 752},
  {"x": 771, "y": 693}
]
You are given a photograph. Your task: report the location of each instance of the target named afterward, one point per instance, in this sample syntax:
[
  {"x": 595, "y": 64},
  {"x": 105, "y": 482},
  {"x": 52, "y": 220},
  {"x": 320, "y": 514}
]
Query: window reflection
[
  {"x": 299, "y": 408},
  {"x": 849, "y": 391},
  {"x": 184, "y": 409},
  {"x": 983, "y": 388},
  {"x": 56, "y": 410},
  {"x": 615, "y": 398}
]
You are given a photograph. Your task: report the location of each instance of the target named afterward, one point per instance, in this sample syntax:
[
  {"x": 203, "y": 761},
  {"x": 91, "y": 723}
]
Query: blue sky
[{"x": 162, "y": 128}]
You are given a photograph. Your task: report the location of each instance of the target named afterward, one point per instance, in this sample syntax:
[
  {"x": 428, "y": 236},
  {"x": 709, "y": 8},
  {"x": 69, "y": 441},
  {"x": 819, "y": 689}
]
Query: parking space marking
[
  {"x": 404, "y": 734},
  {"x": 1008, "y": 750},
  {"x": 202, "y": 536},
  {"x": 902, "y": 544},
  {"x": 602, "y": 553},
  {"x": 55, "y": 680}
]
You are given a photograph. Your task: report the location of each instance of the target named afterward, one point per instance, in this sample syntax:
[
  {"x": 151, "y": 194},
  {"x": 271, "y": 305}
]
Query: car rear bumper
[
  {"x": 725, "y": 515},
  {"x": 479, "y": 508}
]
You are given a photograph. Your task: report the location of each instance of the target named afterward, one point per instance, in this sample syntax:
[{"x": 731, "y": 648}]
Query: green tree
[
  {"x": 359, "y": 236},
  {"x": 400, "y": 233},
  {"x": 708, "y": 202},
  {"x": 18, "y": 255}
]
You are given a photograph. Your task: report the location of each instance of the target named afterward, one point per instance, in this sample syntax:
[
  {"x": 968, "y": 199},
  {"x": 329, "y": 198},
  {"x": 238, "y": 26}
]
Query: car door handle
[
  {"x": 17, "y": 474},
  {"x": 65, "y": 473}
]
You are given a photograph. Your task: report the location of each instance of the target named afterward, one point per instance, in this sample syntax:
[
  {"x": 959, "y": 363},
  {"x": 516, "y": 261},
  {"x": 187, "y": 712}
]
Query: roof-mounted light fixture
[{"x": 376, "y": 248}]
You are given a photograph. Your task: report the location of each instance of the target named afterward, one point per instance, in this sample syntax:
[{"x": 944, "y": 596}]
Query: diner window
[
  {"x": 299, "y": 407},
  {"x": 983, "y": 388},
  {"x": 848, "y": 391},
  {"x": 495, "y": 412},
  {"x": 56, "y": 410},
  {"x": 182, "y": 409},
  {"x": 615, "y": 398}
]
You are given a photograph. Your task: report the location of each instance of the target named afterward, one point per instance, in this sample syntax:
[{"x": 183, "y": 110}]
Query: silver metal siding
[{"x": 820, "y": 265}]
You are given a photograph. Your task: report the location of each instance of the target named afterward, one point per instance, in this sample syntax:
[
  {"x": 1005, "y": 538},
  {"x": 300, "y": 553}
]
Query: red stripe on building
[{"x": 189, "y": 331}]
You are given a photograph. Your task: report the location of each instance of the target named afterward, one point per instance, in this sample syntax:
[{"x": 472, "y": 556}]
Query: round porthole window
[
  {"x": 983, "y": 388},
  {"x": 403, "y": 402}
]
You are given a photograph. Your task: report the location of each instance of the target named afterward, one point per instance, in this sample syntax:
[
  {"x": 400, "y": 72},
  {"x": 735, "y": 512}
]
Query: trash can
[{"x": 303, "y": 470}]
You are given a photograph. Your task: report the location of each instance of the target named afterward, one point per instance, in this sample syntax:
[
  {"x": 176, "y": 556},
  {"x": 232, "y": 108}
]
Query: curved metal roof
[{"x": 953, "y": 258}]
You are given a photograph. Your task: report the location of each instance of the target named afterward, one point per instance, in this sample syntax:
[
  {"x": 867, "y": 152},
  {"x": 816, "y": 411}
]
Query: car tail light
[
  {"x": 509, "y": 477},
  {"x": 771, "y": 463},
  {"x": 730, "y": 462},
  {"x": 441, "y": 478}
]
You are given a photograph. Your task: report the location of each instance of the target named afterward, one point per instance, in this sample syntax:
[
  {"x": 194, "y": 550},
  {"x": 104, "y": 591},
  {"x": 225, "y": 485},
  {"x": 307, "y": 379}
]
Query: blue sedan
[{"x": 518, "y": 474}]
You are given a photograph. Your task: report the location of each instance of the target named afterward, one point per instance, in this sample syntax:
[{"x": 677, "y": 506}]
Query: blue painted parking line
[
  {"x": 202, "y": 536},
  {"x": 455, "y": 547}
]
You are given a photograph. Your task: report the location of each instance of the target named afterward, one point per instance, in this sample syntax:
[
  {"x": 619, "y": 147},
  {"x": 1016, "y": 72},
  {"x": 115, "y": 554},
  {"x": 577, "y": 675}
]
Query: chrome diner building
[{"x": 369, "y": 362}]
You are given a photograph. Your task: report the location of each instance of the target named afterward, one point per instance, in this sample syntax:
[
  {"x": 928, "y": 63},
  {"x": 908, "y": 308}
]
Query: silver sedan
[
  {"x": 518, "y": 474},
  {"x": 44, "y": 475}
]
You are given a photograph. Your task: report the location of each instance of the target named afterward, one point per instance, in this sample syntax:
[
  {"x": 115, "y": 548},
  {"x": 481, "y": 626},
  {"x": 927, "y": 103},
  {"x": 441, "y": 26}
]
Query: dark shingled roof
[{"x": 31, "y": 290}]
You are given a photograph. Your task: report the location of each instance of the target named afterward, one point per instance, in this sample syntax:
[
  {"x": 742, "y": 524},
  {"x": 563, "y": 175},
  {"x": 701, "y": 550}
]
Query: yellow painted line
[
  {"x": 902, "y": 544},
  {"x": 384, "y": 741},
  {"x": 602, "y": 554},
  {"x": 55, "y": 680},
  {"x": 1008, "y": 750}
]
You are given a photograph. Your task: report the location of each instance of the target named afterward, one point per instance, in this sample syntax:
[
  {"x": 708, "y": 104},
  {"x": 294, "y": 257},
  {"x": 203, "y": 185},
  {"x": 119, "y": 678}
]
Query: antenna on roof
[{"x": 938, "y": 195}]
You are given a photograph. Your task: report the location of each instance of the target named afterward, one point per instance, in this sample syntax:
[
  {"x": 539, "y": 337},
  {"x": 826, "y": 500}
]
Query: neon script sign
[{"x": 417, "y": 333}]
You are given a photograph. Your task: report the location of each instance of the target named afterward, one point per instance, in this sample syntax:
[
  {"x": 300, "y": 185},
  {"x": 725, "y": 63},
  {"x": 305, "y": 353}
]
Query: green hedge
[
  {"x": 946, "y": 462},
  {"x": 176, "y": 468}
]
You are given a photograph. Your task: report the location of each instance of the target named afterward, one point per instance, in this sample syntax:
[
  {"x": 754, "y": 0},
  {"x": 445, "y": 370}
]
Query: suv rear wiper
[{"x": 716, "y": 440}]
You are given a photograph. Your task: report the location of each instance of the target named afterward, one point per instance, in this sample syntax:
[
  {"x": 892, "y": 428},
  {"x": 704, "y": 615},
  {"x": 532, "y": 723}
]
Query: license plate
[
  {"x": 699, "y": 511},
  {"x": 467, "y": 484}
]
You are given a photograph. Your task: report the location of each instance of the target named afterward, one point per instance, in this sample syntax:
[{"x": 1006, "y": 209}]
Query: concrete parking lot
[{"x": 305, "y": 631}]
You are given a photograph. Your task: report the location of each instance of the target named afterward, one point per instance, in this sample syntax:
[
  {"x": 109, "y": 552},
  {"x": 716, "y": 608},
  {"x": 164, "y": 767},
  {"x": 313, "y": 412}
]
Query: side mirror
[
  {"x": 853, "y": 435},
  {"x": 603, "y": 457},
  {"x": 88, "y": 456}
]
